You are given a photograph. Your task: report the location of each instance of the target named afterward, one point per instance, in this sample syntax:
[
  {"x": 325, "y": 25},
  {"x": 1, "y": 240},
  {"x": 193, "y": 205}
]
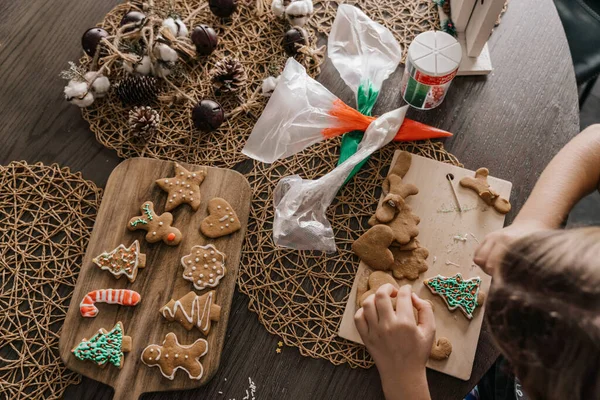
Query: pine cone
[
  {"x": 228, "y": 75},
  {"x": 143, "y": 122},
  {"x": 137, "y": 89}
]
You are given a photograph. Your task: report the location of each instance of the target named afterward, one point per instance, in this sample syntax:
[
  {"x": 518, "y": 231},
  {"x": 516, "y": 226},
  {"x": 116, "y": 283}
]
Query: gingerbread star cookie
[
  {"x": 222, "y": 219},
  {"x": 158, "y": 226},
  {"x": 184, "y": 187},
  {"x": 172, "y": 356},
  {"x": 204, "y": 266}
]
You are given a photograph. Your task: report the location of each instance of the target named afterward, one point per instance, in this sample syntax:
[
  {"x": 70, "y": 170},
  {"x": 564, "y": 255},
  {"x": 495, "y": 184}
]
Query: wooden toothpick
[{"x": 450, "y": 177}]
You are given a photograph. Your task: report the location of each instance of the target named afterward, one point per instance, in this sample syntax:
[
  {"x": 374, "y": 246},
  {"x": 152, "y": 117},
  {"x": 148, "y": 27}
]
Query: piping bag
[{"x": 302, "y": 112}]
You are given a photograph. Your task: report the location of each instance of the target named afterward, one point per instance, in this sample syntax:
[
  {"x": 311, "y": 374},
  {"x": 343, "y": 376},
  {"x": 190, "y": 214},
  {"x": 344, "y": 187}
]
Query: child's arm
[
  {"x": 399, "y": 345},
  {"x": 572, "y": 174}
]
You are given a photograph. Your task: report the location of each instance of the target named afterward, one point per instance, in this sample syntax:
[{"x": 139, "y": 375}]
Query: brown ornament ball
[
  {"x": 293, "y": 39},
  {"x": 205, "y": 39},
  {"x": 133, "y": 17},
  {"x": 222, "y": 8},
  {"x": 208, "y": 115},
  {"x": 91, "y": 39}
]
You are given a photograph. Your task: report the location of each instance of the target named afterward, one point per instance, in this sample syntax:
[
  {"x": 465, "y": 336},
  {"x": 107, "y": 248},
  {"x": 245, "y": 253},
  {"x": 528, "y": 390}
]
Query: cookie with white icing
[
  {"x": 204, "y": 266},
  {"x": 171, "y": 356}
]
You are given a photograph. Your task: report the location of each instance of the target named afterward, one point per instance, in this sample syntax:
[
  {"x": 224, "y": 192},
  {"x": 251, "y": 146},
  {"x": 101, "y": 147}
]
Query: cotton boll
[
  {"x": 75, "y": 89},
  {"x": 165, "y": 53},
  {"x": 176, "y": 26},
  {"x": 161, "y": 70},
  {"x": 278, "y": 8},
  {"x": 268, "y": 86},
  {"x": 87, "y": 100},
  {"x": 130, "y": 66},
  {"x": 144, "y": 67},
  {"x": 299, "y": 11},
  {"x": 100, "y": 86}
]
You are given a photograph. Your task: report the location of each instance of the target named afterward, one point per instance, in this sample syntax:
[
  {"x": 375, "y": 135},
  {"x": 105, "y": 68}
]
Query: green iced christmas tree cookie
[
  {"x": 457, "y": 292},
  {"x": 105, "y": 347}
]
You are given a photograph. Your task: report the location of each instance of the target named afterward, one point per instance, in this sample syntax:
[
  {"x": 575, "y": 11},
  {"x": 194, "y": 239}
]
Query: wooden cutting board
[
  {"x": 440, "y": 227},
  {"x": 129, "y": 186}
]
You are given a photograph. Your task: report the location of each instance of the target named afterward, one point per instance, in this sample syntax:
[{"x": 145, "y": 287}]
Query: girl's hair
[{"x": 544, "y": 311}]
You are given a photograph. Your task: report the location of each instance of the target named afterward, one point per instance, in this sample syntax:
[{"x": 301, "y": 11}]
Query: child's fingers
[
  {"x": 370, "y": 311},
  {"x": 383, "y": 301},
  {"x": 483, "y": 251},
  {"x": 495, "y": 257},
  {"x": 424, "y": 313},
  {"x": 361, "y": 323},
  {"x": 404, "y": 304}
]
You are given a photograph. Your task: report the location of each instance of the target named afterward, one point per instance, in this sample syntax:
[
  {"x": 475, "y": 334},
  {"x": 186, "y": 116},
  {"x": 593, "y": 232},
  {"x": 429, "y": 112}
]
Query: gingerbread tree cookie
[
  {"x": 222, "y": 219},
  {"x": 122, "y": 261},
  {"x": 204, "y": 266},
  {"x": 172, "y": 356},
  {"x": 480, "y": 185},
  {"x": 105, "y": 347},
  {"x": 184, "y": 187},
  {"x": 158, "y": 226},
  {"x": 193, "y": 310},
  {"x": 457, "y": 292}
]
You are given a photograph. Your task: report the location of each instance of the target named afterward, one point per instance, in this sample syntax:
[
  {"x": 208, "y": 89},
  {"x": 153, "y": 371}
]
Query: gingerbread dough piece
[
  {"x": 412, "y": 245},
  {"x": 403, "y": 162},
  {"x": 158, "y": 226},
  {"x": 193, "y": 311},
  {"x": 373, "y": 247},
  {"x": 388, "y": 209},
  {"x": 404, "y": 225},
  {"x": 480, "y": 185},
  {"x": 222, "y": 219},
  {"x": 409, "y": 264},
  {"x": 441, "y": 349},
  {"x": 184, "y": 187},
  {"x": 172, "y": 356},
  {"x": 204, "y": 266},
  {"x": 362, "y": 284},
  {"x": 374, "y": 282}
]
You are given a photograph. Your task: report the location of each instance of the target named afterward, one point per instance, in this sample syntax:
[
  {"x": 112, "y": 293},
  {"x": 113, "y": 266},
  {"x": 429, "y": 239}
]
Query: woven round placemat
[
  {"x": 254, "y": 36},
  {"x": 46, "y": 217},
  {"x": 301, "y": 295}
]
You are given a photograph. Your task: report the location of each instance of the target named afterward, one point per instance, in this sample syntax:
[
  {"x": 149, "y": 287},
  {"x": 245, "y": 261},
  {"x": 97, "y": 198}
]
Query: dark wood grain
[{"x": 512, "y": 121}]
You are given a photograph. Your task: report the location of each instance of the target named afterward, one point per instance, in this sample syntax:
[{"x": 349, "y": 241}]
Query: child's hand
[
  {"x": 399, "y": 345},
  {"x": 490, "y": 253}
]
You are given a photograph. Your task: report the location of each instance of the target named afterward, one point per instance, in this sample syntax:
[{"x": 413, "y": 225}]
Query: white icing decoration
[
  {"x": 223, "y": 218},
  {"x": 202, "y": 319}
]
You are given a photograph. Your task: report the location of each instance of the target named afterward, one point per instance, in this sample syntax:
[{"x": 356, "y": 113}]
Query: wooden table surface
[{"x": 512, "y": 122}]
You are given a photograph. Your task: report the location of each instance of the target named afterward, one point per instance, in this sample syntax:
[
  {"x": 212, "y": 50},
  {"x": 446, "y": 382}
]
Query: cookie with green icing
[
  {"x": 457, "y": 292},
  {"x": 105, "y": 347}
]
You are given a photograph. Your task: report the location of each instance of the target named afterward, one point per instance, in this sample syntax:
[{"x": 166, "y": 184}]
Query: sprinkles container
[{"x": 431, "y": 65}]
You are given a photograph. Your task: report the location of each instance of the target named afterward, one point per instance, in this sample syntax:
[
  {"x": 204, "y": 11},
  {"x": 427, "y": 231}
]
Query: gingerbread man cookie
[
  {"x": 222, "y": 219},
  {"x": 400, "y": 168},
  {"x": 409, "y": 264},
  {"x": 184, "y": 187},
  {"x": 158, "y": 226},
  {"x": 193, "y": 310},
  {"x": 172, "y": 356},
  {"x": 480, "y": 185},
  {"x": 204, "y": 266}
]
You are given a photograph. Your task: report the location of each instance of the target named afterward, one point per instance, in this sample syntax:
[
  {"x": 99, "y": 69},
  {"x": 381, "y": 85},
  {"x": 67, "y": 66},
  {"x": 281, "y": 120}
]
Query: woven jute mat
[
  {"x": 298, "y": 296},
  {"x": 46, "y": 217}
]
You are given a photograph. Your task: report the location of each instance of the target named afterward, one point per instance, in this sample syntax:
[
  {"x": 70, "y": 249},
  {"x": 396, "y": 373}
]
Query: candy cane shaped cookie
[{"x": 124, "y": 297}]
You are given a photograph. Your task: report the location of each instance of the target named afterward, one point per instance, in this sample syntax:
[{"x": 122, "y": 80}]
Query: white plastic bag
[
  {"x": 300, "y": 204},
  {"x": 294, "y": 117},
  {"x": 364, "y": 52}
]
